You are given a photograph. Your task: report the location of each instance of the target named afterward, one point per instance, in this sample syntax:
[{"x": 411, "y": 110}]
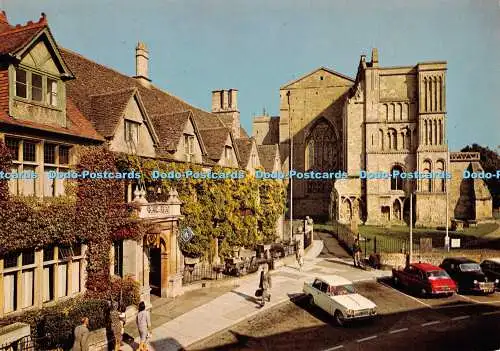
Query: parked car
[
  {"x": 338, "y": 297},
  {"x": 491, "y": 267},
  {"x": 468, "y": 275},
  {"x": 425, "y": 279}
]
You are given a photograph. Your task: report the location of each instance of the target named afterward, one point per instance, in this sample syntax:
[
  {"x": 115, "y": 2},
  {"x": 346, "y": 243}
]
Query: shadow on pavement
[
  {"x": 476, "y": 333},
  {"x": 247, "y": 297}
]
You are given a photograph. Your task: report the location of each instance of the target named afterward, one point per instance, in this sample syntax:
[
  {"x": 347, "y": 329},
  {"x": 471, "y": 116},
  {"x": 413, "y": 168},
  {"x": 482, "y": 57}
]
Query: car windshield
[
  {"x": 341, "y": 290},
  {"x": 470, "y": 267},
  {"x": 437, "y": 275}
]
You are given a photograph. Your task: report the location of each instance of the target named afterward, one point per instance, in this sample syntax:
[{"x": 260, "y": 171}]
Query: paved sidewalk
[{"x": 239, "y": 304}]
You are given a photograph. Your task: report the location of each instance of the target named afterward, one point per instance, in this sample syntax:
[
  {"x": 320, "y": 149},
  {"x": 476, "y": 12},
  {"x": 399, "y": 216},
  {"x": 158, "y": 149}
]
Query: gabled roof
[
  {"x": 244, "y": 149},
  {"x": 108, "y": 109},
  {"x": 170, "y": 129},
  {"x": 316, "y": 70},
  {"x": 267, "y": 156},
  {"x": 215, "y": 140},
  {"x": 15, "y": 41},
  {"x": 93, "y": 79}
]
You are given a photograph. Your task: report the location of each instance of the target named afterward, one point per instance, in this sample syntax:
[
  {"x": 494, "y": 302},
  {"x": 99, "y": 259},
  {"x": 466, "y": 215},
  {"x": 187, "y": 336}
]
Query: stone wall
[{"x": 435, "y": 257}]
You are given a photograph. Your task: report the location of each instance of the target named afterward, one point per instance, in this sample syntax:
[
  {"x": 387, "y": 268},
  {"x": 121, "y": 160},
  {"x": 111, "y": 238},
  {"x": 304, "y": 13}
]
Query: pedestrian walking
[
  {"x": 116, "y": 325},
  {"x": 265, "y": 285},
  {"x": 299, "y": 252},
  {"x": 82, "y": 336},
  {"x": 144, "y": 326},
  {"x": 356, "y": 251}
]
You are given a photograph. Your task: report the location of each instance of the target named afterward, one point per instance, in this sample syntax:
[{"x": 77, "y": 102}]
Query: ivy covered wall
[{"x": 239, "y": 212}]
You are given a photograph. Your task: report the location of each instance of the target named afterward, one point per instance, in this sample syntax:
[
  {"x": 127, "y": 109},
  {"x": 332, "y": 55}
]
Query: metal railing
[{"x": 26, "y": 343}]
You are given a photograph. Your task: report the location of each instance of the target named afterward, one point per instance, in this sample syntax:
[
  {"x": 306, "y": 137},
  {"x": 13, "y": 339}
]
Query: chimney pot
[
  {"x": 142, "y": 63},
  {"x": 374, "y": 57}
]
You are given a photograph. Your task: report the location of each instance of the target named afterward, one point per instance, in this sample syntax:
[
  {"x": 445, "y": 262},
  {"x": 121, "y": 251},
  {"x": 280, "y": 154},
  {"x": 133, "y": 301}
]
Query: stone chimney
[
  {"x": 225, "y": 102},
  {"x": 141, "y": 64},
  {"x": 374, "y": 57}
]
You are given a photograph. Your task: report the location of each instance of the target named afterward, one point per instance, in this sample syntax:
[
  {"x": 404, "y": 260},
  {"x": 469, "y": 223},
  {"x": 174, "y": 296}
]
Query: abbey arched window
[
  {"x": 396, "y": 180},
  {"x": 321, "y": 155},
  {"x": 321, "y": 152},
  {"x": 427, "y": 181},
  {"x": 442, "y": 180}
]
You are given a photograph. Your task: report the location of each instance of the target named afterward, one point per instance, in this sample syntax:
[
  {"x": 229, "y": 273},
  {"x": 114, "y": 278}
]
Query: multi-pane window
[
  {"x": 189, "y": 146},
  {"x": 56, "y": 159},
  {"x": 51, "y": 92},
  {"x": 49, "y": 153},
  {"x": 21, "y": 83},
  {"x": 29, "y": 151},
  {"x": 63, "y": 155},
  {"x": 13, "y": 146},
  {"x": 36, "y": 87},
  {"x": 49, "y": 264},
  {"x": 19, "y": 280},
  {"x": 26, "y": 159},
  {"x": 131, "y": 132}
]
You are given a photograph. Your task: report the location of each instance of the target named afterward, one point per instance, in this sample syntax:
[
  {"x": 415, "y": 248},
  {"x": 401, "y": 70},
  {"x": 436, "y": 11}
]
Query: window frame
[
  {"x": 127, "y": 131},
  {"x": 45, "y": 90}
]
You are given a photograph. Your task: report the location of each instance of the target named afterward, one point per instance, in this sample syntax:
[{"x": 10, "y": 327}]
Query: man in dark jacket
[
  {"x": 265, "y": 285},
  {"x": 356, "y": 252}
]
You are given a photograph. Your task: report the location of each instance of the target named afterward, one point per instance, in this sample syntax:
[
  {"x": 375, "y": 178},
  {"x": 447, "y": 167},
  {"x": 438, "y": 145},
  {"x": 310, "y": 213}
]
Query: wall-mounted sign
[
  {"x": 455, "y": 243},
  {"x": 185, "y": 235}
]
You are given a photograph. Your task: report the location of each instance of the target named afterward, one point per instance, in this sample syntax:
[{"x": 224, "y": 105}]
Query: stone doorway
[{"x": 155, "y": 270}]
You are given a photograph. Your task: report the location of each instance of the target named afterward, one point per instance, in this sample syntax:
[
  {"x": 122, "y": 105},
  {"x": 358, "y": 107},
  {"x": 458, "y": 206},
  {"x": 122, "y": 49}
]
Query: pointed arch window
[
  {"x": 321, "y": 154},
  {"x": 321, "y": 148}
]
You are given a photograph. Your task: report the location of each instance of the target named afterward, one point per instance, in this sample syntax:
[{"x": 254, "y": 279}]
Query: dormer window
[{"x": 36, "y": 87}]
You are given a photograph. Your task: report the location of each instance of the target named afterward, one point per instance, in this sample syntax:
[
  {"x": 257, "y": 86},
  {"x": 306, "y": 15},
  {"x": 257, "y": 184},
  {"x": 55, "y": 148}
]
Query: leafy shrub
[
  {"x": 54, "y": 326},
  {"x": 125, "y": 291}
]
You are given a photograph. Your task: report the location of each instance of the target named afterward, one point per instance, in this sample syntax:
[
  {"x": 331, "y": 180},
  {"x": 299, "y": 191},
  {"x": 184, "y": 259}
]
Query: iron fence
[
  {"x": 203, "y": 272},
  {"x": 27, "y": 343},
  {"x": 372, "y": 243}
]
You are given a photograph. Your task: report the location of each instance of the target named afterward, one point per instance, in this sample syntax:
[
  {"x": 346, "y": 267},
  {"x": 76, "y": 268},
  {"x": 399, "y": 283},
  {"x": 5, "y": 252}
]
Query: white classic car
[{"x": 338, "y": 297}]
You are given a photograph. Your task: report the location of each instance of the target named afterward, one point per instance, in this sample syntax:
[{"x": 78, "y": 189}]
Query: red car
[{"x": 425, "y": 279}]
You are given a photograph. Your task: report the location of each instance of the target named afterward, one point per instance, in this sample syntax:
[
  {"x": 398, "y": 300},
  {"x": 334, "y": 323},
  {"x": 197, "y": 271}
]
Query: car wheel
[
  {"x": 310, "y": 300},
  {"x": 395, "y": 281},
  {"x": 339, "y": 318},
  {"x": 423, "y": 292}
]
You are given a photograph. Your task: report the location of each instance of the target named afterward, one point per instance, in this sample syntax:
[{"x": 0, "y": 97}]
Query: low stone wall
[{"x": 435, "y": 257}]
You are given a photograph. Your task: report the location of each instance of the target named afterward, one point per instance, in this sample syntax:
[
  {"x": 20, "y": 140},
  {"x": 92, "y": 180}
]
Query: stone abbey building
[{"x": 385, "y": 119}]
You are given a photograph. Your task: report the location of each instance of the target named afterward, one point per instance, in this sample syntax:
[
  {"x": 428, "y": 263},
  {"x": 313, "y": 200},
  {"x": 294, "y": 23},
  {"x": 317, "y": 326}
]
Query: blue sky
[{"x": 256, "y": 46}]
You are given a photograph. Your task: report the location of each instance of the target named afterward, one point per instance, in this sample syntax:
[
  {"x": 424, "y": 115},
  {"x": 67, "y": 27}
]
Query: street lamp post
[
  {"x": 290, "y": 138},
  {"x": 447, "y": 237},
  {"x": 411, "y": 226}
]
